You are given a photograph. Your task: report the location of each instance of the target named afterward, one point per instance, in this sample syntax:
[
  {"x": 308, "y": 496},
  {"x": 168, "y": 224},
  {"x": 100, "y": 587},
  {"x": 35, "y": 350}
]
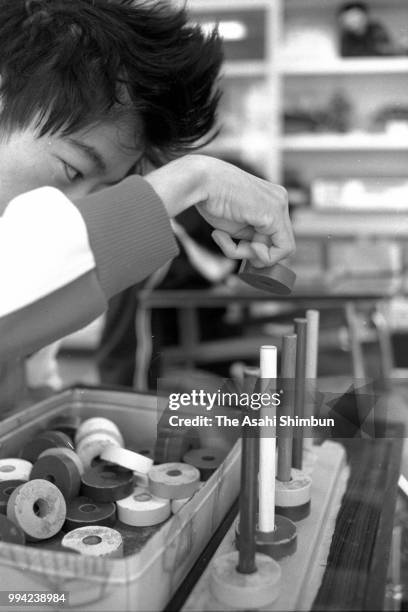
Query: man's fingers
[
  {"x": 278, "y": 236},
  {"x": 242, "y": 250},
  {"x": 258, "y": 249},
  {"x": 266, "y": 256},
  {"x": 245, "y": 233},
  {"x": 259, "y": 253},
  {"x": 267, "y": 251}
]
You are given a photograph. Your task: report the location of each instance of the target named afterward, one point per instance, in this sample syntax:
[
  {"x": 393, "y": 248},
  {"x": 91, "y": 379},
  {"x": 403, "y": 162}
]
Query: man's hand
[{"x": 238, "y": 205}]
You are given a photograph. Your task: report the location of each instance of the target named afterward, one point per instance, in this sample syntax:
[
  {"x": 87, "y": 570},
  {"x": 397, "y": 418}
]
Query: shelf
[
  {"x": 332, "y": 5},
  {"x": 249, "y": 69},
  {"x": 317, "y": 142},
  {"x": 343, "y": 142},
  {"x": 223, "y": 5},
  {"x": 394, "y": 65},
  {"x": 345, "y": 224}
]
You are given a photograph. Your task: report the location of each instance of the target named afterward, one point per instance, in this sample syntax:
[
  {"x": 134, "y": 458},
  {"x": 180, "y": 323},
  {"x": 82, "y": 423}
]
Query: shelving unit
[
  {"x": 250, "y": 109},
  {"x": 256, "y": 134},
  {"x": 344, "y": 142},
  {"x": 370, "y": 84},
  {"x": 248, "y": 69},
  {"x": 259, "y": 85},
  {"x": 377, "y": 66}
]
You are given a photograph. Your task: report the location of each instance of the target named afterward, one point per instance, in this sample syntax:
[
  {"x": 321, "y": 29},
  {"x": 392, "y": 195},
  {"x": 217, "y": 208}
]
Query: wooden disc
[
  {"x": 206, "y": 460},
  {"x": 91, "y": 446},
  {"x": 174, "y": 480},
  {"x": 67, "y": 452},
  {"x": 245, "y": 591},
  {"x": 15, "y": 469},
  {"x": 61, "y": 471},
  {"x": 143, "y": 509},
  {"x": 296, "y": 492},
  {"x": 95, "y": 541},
  {"x": 294, "y": 513},
  {"x": 275, "y": 279},
  {"x": 282, "y": 542},
  {"x": 85, "y": 512},
  {"x": 38, "y": 508},
  {"x": 6, "y": 489},
  {"x": 127, "y": 459},
  {"x": 95, "y": 424},
  {"x": 43, "y": 440},
  {"x": 107, "y": 483}
]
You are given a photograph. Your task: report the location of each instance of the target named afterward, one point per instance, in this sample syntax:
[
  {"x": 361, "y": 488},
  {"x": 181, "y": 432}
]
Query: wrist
[{"x": 180, "y": 183}]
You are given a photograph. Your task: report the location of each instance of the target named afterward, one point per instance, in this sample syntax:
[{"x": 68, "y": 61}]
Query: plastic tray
[{"x": 157, "y": 559}]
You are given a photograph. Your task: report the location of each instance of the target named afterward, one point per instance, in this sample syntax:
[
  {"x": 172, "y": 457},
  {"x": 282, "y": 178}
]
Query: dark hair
[
  {"x": 66, "y": 64},
  {"x": 348, "y": 6}
]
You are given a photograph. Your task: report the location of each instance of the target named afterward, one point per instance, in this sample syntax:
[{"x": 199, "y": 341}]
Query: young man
[{"x": 88, "y": 90}]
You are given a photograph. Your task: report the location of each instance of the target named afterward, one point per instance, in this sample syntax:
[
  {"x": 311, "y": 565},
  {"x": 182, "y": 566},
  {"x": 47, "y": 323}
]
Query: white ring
[
  {"x": 92, "y": 446},
  {"x": 142, "y": 509},
  {"x": 95, "y": 541},
  {"x": 94, "y": 424},
  {"x": 127, "y": 459},
  {"x": 15, "y": 469},
  {"x": 48, "y": 519},
  {"x": 174, "y": 480},
  {"x": 296, "y": 492}
]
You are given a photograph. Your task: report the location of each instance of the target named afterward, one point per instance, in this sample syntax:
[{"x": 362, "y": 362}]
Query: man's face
[
  {"x": 77, "y": 165},
  {"x": 354, "y": 20}
]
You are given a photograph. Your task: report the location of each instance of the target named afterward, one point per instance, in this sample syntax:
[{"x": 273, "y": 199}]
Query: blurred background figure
[{"x": 361, "y": 35}]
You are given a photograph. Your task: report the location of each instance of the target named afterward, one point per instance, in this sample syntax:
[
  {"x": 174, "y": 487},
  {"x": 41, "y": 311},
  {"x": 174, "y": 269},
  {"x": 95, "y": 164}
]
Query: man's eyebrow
[{"x": 92, "y": 153}]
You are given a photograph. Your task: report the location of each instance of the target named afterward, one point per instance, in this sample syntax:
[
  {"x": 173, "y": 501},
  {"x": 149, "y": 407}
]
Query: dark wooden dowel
[
  {"x": 248, "y": 500},
  {"x": 300, "y": 381},
  {"x": 285, "y": 434},
  {"x": 312, "y": 354}
]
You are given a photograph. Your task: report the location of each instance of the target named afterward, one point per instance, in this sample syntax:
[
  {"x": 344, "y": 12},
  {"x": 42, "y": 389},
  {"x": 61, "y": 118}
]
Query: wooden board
[
  {"x": 357, "y": 565},
  {"x": 302, "y": 573}
]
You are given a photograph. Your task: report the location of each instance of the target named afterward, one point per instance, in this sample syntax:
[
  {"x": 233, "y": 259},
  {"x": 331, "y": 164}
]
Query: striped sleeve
[{"x": 61, "y": 261}]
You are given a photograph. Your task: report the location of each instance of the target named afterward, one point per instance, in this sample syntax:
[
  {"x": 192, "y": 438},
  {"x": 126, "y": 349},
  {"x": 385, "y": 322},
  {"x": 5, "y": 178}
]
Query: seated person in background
[
  {"x": 360, "y": 35},
  {"x": 89, "y": 88},
  {"x": 199, "y": 265}
]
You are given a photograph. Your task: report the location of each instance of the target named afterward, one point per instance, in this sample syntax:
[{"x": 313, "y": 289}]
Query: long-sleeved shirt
[{"x": 61, "y": 261}]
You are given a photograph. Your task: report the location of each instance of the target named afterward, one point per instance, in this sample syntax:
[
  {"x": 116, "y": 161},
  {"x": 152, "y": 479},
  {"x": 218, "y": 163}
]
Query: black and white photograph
[{"x": 204, "y": 305}]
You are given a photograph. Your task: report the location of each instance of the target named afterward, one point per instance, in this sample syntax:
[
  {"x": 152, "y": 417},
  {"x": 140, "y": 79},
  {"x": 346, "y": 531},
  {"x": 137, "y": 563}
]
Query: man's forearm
[
  {"x": 60, "y": 262},
  {"x": 129, "y": 231},
  {"x": 180, "y": 183}
]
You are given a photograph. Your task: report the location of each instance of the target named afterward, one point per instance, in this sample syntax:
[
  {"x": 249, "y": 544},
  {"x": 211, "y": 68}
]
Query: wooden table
[
  {"x": 326, "y": 292},
  {"x": 356, "y": 573}
]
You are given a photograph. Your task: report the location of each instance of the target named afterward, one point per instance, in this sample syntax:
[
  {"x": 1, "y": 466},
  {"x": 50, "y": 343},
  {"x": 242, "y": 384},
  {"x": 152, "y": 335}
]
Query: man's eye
[{"x": 72, "y": 173}]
